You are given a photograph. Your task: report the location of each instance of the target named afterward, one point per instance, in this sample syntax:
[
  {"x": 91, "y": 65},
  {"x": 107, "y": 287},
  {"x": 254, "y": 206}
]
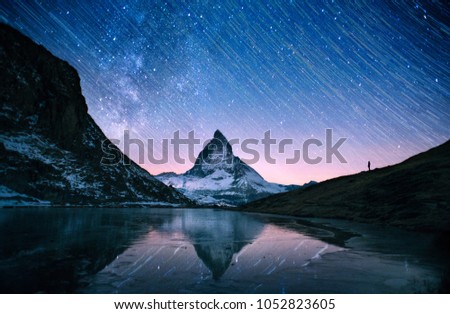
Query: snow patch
[{"x": 11, "y": 198}]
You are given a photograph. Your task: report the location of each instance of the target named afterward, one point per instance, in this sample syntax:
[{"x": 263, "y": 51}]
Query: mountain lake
[{"x": 167, "y": 250}]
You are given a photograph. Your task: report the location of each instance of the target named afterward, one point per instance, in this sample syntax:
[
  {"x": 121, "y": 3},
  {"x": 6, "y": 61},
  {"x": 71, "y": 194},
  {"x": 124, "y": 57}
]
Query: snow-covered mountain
[
  {"x": 220, "y": 178},
  {"x": 50, "y": 147}
]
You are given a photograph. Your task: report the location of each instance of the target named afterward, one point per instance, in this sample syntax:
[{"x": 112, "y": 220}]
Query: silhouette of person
[{"x": 368, "y": 165}]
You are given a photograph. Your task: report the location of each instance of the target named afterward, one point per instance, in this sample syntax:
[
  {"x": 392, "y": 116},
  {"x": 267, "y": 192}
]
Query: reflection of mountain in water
[
  {"x": 217, "y": 235},
  {"x": 218, "y": 259}
]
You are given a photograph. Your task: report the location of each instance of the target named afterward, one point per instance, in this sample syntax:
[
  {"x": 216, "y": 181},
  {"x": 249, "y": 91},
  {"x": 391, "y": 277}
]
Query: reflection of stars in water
[{"x": 375, "y": 72}]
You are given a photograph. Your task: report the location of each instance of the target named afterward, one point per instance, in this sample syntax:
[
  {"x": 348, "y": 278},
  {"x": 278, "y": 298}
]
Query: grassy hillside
[{"x": 414, "y": 194}]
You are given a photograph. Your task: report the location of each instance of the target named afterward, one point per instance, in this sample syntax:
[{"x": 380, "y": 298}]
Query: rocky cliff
[{"x": 50, "y": 147}]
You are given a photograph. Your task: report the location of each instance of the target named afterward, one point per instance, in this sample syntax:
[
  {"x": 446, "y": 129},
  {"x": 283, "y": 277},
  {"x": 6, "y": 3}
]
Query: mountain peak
[
  {"x": 218, "y": 177},
  {"x": 217, "y": 153},
  {"x": 218, "y": 134},
  {"x": 218, "y": 146},
  {"x": 219, "y": 137}
]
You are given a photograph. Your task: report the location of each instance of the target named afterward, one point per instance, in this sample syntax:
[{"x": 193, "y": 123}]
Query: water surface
[{"x": 207, "y": 251}]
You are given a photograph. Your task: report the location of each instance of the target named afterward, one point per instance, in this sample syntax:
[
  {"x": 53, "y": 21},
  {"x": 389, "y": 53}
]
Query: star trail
[{"x": 376, "y": 72}]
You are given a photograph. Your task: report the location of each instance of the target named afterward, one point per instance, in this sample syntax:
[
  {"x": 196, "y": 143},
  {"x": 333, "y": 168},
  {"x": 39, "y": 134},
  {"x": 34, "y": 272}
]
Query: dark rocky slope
[
  {"x": 50, "y": 147},
  {"x": 413, "y": 194}
]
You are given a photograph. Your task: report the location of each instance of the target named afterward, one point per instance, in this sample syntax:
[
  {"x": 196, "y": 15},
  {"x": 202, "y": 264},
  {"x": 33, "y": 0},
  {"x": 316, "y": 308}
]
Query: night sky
[{"x": 376, "y": 72}]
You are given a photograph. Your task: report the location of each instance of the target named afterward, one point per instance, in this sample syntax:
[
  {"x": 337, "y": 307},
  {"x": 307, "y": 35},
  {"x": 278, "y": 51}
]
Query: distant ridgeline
[{"x": 413, "y": 194}]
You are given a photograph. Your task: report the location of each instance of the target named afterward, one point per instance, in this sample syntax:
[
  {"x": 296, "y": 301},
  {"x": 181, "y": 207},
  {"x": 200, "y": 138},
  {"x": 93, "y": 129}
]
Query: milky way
[{"x": 376, "y": 72}]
